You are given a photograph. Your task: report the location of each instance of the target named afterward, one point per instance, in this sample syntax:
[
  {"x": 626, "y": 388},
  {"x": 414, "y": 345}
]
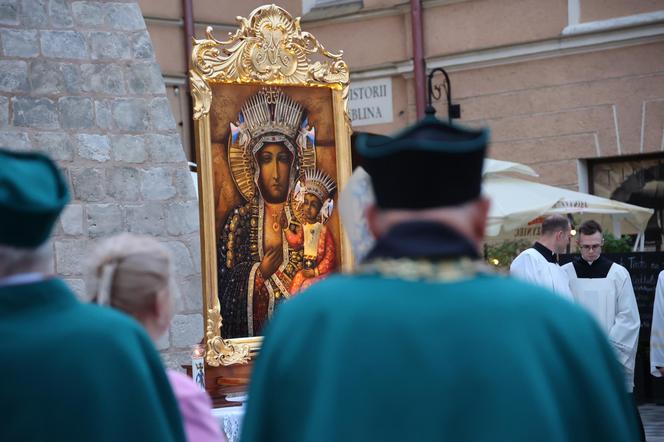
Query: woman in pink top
[{"x": 134, "y": 274}]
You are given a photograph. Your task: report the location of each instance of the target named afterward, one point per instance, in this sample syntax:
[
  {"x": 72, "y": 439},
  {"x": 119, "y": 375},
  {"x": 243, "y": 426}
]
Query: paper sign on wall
[{"x": 370, "y": 102}]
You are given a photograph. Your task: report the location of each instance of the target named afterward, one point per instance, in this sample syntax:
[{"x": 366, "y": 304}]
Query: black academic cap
[{"x": 429, "y": 164}]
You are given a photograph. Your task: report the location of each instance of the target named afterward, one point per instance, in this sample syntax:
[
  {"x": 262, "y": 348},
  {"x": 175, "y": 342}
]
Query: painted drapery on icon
[{"x": 277, "y": 230}]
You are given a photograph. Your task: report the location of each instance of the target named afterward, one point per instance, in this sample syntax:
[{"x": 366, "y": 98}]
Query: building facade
[{"x": 574, "y": 88}]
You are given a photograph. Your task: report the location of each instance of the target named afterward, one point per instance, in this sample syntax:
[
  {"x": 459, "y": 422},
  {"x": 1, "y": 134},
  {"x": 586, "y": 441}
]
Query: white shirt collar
[{"x": 22, "y": 278}]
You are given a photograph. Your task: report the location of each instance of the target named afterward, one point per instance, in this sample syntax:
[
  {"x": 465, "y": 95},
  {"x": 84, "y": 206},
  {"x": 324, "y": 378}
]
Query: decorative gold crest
[{"x": 271, "y": 48}]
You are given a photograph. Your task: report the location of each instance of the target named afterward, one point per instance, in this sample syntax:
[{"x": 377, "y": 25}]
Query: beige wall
[
  {"x": 161, "y": 8},
  {"x": 549, "y": 98},
  {"x": 377, "y": 4},
  {"x": 550, "y": 112},
  {"x": 473, "y": 25},
  {"x": 226, "y": 11},
  {"x": 386, "y": 35},
  {"x": 168, "y": 44},
  {"x": 380, "y": 33}
]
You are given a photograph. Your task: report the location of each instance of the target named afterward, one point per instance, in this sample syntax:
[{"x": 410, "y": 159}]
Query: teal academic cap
[{"x": 32, "y": 195}]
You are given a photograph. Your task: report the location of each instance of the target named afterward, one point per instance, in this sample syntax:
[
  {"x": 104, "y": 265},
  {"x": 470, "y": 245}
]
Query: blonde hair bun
[{"x": 127, "y": 272}]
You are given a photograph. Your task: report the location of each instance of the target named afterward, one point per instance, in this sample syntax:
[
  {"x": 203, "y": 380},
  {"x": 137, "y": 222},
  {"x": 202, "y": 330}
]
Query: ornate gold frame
[{"x": 269, "y": 48}]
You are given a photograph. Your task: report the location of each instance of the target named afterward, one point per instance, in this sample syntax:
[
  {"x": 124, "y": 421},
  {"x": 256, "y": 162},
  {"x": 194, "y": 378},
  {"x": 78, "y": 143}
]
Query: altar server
[
  {"x": 423, "y": 343},
  {"x": 539, "y": 264},
  {"x": 604, "y": 288},
  {"x": 68, "y": 371},
  {"x": 657, "y": 330}
]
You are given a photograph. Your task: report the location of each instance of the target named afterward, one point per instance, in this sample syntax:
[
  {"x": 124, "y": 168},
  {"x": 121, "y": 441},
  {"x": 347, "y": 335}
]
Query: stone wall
[{"x": 79, "y": 81}]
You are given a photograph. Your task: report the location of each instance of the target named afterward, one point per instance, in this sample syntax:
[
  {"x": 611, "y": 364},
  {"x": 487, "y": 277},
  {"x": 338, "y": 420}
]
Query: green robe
[
  {"x": 76, "y": 372},
  {"x": 486, "y": 358}
]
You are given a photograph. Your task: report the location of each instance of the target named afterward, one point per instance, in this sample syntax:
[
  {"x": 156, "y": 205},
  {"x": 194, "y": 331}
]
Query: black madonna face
[{"x": 274, "y": 163}]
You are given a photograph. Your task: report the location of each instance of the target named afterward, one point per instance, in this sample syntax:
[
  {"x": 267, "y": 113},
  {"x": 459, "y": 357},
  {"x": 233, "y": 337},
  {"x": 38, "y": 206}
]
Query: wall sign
[{"x": 370, "y": 102}]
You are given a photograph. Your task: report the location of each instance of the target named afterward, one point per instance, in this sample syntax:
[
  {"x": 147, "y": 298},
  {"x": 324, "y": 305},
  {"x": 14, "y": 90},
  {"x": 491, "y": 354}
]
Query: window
[{"x": 637, "y": 179}]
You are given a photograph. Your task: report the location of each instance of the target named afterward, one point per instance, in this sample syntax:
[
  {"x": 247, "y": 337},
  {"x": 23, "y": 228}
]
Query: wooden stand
[{"x": 223, "y": 381}]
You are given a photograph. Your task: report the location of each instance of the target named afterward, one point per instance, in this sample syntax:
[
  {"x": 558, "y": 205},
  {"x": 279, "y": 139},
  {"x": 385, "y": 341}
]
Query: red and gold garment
[{"x": 323, "y": 263}]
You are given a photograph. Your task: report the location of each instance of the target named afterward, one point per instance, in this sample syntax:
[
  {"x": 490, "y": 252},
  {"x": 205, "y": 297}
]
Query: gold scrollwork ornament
[
  {"x": 271, "y": 48},
  {"x": 221, "y": 351},
  {"x": 202, "y": 95}
]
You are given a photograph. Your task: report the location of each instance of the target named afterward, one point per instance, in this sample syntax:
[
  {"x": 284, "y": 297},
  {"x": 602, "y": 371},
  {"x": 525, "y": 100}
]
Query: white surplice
[
  {"x": 532, "y": 267},
  {"x": 657, "y": 329},
  {"x": 612, "y": 302}
]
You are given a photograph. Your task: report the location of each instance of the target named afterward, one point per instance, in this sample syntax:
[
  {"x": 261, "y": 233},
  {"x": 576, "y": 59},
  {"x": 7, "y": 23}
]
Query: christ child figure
[{"x": 316, "y": 204}]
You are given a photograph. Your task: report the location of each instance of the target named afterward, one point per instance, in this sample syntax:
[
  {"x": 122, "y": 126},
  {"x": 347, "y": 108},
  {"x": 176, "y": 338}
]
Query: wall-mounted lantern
[{"x": 435, "y": 92}]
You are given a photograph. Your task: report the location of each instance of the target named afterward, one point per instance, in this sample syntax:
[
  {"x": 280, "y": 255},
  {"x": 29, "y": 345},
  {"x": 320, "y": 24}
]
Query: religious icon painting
[
  {"x": 275, "y": 225},
  {"x": 273, "y": 148}
]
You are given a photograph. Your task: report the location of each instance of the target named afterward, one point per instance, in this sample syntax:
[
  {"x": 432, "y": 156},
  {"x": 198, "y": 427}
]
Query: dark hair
[
  {"x": 555, "y": 223},
  {"x": 590, "y": 227}
]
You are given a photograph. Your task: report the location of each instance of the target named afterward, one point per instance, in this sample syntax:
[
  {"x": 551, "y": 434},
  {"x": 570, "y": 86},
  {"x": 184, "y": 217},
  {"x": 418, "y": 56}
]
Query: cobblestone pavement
[{"x": 653, "y": 421}]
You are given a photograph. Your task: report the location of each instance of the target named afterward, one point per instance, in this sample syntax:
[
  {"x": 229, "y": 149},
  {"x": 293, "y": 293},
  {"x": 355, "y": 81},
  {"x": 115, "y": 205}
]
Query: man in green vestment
[
  {"x": 69, "y": 371},
  {"x": 422, "y": 343}
]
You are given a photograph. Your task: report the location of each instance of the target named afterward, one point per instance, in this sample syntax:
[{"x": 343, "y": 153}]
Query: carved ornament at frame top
[{"x": 269, "y": 48}]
